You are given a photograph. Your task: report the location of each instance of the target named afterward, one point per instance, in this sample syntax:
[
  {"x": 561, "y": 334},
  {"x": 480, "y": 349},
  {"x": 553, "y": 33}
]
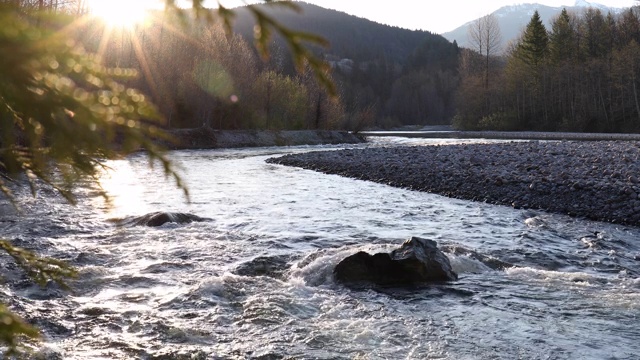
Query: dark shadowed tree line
[{"x": 582, "y": 74}]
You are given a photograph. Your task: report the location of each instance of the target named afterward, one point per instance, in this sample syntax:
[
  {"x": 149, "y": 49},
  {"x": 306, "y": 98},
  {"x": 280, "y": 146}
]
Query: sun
[{"x": 120, "y": 13}]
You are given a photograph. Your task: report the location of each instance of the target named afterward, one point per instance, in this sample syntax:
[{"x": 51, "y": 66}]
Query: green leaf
[{"x": 13, "y": 330}]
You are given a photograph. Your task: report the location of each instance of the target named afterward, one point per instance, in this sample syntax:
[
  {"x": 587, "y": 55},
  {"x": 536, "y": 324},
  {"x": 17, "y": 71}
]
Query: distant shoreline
[
  {"x": 505, "y": 135},
  {"x": 206, "y": 138}
]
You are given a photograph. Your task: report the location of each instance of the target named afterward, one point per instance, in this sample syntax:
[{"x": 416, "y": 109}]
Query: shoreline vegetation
[
  {"x": 596, "y": 180},
  {"x": 574, "y": 75},
  {"x": 207, "y": 138},
  {"x": 505, "y": 135}
]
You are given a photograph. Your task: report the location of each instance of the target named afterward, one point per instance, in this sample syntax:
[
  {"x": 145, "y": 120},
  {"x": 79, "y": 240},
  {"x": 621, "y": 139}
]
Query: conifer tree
[
  {"x": 628, "y": 28},
  {"x": 595, "y": 34},
  {"x": 534, "y": 47},
  {"x": 562, "y": 39}
]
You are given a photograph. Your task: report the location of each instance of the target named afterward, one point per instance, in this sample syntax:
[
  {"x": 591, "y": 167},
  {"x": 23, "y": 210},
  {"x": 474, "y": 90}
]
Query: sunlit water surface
[{"x": 170, "y": 291}]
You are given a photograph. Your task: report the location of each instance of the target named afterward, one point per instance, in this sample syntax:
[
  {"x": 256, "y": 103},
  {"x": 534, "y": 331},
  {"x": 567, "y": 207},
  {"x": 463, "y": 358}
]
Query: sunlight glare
[
  {"x": 120, "y": 13},
  {"x": 120, "y": 182}
]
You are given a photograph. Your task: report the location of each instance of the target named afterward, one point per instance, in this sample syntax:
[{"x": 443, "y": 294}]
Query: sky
[{"x": 436, "y": 16}]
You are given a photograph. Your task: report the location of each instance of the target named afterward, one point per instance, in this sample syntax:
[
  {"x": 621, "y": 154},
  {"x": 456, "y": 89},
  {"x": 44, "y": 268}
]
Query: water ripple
[{"x": 257, "y": 281}]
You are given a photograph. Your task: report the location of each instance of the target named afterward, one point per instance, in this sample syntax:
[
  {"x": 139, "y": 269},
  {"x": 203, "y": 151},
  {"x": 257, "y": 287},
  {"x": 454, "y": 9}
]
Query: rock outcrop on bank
[
  {"x": 206, "y": 138},
  {"x": 598, "y": 180}
]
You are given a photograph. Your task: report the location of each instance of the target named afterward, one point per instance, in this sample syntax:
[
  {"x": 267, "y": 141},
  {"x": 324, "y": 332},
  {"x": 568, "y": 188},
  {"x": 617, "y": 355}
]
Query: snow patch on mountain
[{"x": 513, "y": 18}]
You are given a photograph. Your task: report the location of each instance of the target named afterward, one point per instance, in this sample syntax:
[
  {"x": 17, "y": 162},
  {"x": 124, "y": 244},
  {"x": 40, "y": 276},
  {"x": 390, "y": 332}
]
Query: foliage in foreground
[
  {"x": 12, "y": 330},
  {"x": 41, "y": 270},
  {"x": 62, "y": 114}
]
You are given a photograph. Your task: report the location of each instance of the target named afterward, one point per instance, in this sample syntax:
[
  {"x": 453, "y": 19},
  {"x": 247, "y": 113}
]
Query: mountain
[
  {"x": 400, "y": 75},
  {"x": 349, "y": 36},
  {"x": 513, "y": 19}
]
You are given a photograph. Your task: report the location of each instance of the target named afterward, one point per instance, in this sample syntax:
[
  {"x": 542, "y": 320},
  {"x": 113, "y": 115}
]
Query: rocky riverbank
[
  {"x": 205, "y": 138},
  {"x": 598, "y": 180}
]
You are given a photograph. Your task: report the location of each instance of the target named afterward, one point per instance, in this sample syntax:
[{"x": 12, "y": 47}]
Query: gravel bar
[{"x": 598, "y": 180}]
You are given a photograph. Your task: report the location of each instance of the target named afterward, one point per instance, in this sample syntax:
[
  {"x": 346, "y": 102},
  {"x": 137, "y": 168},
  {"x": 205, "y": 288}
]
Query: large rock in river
[
  {"x": 417, "y": 261},
  {"x": 161, "y": 218}
]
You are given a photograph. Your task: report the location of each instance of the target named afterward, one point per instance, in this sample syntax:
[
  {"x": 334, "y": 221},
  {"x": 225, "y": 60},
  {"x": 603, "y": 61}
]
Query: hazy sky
[{"x": 436, "y": 16}]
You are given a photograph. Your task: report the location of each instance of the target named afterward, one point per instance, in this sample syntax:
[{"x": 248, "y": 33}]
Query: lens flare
[
  {"x": 120, "y": 13},
  {"x": 214, "y": 79}
]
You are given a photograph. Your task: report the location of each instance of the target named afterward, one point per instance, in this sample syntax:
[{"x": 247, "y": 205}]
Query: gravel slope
[{"x": 598, "y": 180}]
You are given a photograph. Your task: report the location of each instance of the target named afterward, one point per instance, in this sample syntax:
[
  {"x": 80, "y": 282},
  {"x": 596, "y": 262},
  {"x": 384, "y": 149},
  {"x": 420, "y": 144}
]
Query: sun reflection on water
[{"x": 125, "y": 191}]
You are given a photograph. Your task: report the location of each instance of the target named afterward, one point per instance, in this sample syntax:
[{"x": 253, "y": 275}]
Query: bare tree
[{"x": 485, "y": 38}]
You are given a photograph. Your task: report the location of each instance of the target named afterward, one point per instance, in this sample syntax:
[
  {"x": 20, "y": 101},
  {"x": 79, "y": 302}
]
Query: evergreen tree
[
  {"x": 584, "y": 75},
  {"x": 628, "y": 28},
  {"x": 562, "y": 39},
  {"x": 595, "y": 34},
  {"x": 613, "y": 32},
  {"x": 534, "y": 47},
  {"x": 526, "y": 75}
]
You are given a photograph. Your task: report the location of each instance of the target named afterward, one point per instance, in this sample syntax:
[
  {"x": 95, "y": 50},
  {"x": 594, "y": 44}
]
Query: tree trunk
[
  {"x": 318, "y": 109},
  {"x": 268, "y": 104},
  {"x": 635, "y": 93}
]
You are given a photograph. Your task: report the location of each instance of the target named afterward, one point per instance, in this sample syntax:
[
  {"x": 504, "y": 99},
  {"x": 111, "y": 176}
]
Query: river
[{"x": 196, "y": 291}]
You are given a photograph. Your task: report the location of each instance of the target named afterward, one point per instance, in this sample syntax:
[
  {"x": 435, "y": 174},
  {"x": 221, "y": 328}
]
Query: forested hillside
[
  {"x": 387, "y": 75},
  {"x": 199, "y": 76},
  {"x": 582, "y": 74}
]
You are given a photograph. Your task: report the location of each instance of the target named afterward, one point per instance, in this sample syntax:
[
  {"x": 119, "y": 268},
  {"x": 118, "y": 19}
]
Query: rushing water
[{"x": 203, "y": 290}]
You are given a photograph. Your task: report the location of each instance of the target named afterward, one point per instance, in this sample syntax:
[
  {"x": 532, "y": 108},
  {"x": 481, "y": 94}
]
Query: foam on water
[
  {"x": 317, "y": 268},
  {"x": 573, "y": 290},
  {"x": 464, "y": 264}
]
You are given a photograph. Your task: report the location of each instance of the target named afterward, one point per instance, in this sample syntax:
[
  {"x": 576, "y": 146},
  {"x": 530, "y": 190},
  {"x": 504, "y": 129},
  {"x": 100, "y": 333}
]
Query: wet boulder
[
  {"x": 272, "y": 266},
  {"x": 160, "y": 218},
  {"x": 417, "y": 261}
]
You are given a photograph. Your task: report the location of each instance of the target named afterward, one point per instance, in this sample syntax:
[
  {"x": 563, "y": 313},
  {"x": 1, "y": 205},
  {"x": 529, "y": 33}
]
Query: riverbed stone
[
  {"x": 271, "y": 266},
  {"x": 417, "y": 261}
]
